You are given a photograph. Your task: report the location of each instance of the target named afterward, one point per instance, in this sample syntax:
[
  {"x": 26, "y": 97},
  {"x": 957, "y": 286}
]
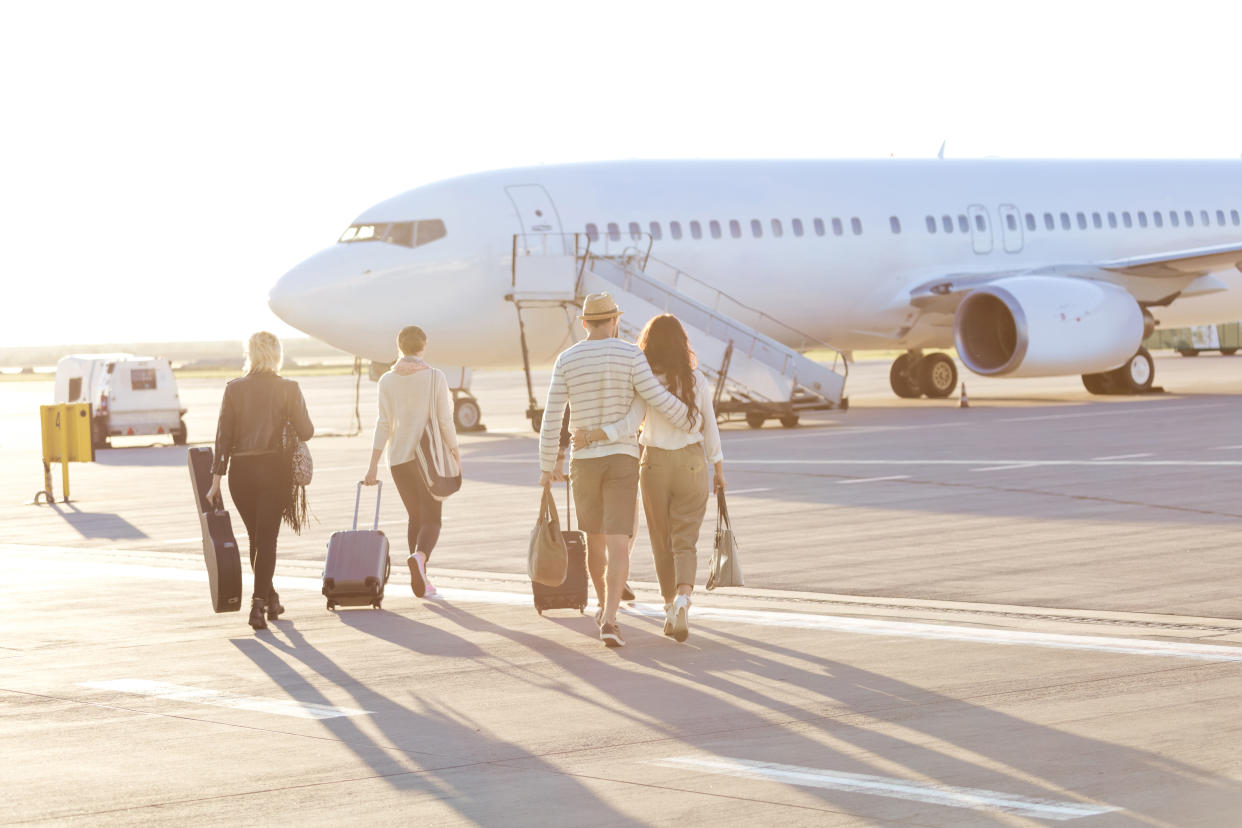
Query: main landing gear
[
  {"x": 1135, "y": 377},
  {"x": 915, "y": 375}
]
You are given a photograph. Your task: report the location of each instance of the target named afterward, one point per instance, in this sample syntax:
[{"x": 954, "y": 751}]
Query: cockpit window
[{"x": 404, "y": 233}]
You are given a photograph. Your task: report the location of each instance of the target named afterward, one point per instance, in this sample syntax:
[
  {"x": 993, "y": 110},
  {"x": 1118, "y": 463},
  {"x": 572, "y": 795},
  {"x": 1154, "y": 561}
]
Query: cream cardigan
[{"x": 402, "y": 412}]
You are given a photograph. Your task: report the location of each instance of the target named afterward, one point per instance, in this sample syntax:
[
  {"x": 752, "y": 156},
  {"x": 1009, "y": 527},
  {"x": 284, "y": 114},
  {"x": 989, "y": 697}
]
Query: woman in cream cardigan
[
  {"x": 407, "y": 393},
  {"x": 673, "y": 471}
]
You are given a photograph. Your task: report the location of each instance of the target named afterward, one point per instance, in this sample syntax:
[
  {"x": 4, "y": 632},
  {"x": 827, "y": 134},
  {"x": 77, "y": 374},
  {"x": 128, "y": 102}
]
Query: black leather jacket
[{"x": 253, "y": 415}]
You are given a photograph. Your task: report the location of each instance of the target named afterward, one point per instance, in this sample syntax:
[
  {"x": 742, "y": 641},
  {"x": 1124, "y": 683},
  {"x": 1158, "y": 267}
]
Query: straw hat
[{"x": 599, "y": 306}]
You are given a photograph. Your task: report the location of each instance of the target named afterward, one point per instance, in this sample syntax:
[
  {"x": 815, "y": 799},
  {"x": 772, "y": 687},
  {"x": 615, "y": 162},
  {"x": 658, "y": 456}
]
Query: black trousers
[
  {"x": 259, "y": 487},
  {"x": 423, "y": 509}
]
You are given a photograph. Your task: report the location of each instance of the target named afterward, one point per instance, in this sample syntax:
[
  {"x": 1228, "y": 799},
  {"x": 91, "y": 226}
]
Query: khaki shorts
[{"x": 605, "y": 491}]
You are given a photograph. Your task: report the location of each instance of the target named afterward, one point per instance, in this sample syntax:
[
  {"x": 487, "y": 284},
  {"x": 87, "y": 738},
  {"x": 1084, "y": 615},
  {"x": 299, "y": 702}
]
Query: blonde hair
[{"x": 263, "y": 353}]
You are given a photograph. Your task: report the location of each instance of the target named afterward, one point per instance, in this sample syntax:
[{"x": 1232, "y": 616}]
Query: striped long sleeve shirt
[{"x": 598, "y": 379}]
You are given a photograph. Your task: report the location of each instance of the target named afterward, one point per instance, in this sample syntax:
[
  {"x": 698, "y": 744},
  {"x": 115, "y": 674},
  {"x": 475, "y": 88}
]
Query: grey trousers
[{"x": 675, "y": 488}]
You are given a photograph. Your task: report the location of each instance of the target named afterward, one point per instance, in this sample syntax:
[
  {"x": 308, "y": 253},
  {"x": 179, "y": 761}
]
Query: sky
[{"x": 163, "y": 164}]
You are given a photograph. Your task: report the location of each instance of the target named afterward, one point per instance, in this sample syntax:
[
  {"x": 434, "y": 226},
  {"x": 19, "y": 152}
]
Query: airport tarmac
[{"x": 1024, "y": 612}]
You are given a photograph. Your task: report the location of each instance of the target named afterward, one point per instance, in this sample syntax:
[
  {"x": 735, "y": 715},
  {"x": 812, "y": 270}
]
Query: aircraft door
[
  {"x": 1011, "y": 227},
  {"x": 980, "y": 228},
  {"x": 540, "y": 224}
]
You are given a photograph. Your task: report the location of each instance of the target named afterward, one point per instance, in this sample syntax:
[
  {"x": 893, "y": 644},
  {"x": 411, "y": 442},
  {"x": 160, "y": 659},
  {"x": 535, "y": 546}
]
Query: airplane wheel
[
  {"x": 1188, "y": 352},
  {"x": 1135, "y": 377},
  {"x": 466, "y": 414},
  {"x": 789, "y": 420},
  {"x": 937, "y": 376},
  {"x": 755, "y": 419},
  {"x": 1097, "y": 383},
  {"x": 900, "y": 380},
  {"x": 179, "y": 434},
  {"x": 1228, "y": 351}
]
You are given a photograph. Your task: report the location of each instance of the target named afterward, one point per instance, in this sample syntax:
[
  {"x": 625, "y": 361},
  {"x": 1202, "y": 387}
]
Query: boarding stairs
[{"x": 756, "y": 375}]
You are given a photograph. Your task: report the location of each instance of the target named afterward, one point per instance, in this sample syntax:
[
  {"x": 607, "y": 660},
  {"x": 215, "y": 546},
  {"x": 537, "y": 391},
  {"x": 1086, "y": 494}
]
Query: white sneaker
[
  {"x": 668, "y": 619},
  {"x": 430, "y": 591},
  {"x": 679, "y": 612}
]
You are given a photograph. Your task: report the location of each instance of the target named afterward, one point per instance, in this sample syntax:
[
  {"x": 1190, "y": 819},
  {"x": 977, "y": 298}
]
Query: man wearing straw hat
[{"x": 598, "y": 378}]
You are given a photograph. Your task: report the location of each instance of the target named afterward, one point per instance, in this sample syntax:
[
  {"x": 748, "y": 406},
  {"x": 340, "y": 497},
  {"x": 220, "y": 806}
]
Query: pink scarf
[{"x": 408, "y": 365}]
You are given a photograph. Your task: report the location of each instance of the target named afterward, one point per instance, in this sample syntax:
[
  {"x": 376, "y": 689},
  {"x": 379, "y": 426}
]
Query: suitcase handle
[{"x": 379, "y": 484}]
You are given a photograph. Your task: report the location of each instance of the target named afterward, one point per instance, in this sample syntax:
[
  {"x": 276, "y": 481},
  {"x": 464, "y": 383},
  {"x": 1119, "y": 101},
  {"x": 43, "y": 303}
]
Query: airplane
[{"x": 1027, "y": 267}]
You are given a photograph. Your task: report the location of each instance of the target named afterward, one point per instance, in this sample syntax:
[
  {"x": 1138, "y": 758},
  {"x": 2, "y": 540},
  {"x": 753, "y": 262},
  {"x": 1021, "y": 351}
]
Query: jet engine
[{"x": 1040, "y": 326}]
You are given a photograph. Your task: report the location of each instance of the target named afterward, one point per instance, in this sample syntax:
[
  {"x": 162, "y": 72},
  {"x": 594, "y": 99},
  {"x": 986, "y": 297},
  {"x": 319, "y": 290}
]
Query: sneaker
[
  {"x": 668, "y": 619},
  {"x": 418, "y": 574},
  {"x": 430, "y": 591},
  {"x": 680, "y": 611},
  {"x": 610, "y": 634}
]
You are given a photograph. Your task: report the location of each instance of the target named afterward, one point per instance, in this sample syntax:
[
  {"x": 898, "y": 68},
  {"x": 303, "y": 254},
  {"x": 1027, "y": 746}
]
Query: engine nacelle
[{"x": 1043, "y": 326}]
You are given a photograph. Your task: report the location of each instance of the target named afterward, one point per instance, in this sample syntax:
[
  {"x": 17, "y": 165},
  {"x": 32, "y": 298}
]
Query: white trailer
[{"x": 129, "y": 395}]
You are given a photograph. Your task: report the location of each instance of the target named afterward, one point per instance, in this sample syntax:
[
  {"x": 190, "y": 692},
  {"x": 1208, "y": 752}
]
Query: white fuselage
[{"x": 865, "y": 242}]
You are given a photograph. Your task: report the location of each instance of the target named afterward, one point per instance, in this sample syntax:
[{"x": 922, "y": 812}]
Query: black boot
[
  {"x": 256, "y": 614},
  {"x": 274, "y": 609}
]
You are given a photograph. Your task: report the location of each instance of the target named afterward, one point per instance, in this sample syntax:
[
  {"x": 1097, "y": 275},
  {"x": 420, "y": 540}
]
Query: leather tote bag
[
  {"x": 547, "y": 562},
  {"x": 440, "y": 470},
  {"x": 726, "y": 571}
]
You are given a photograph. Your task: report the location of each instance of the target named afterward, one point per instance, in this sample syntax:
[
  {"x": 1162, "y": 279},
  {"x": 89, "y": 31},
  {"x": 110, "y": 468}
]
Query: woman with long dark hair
[
  {"x": 253, "y": 417},
  {"x": 673, "y": 469}
]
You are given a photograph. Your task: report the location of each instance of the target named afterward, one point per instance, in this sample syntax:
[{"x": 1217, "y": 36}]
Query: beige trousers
[{"x": 675, "y": 489}]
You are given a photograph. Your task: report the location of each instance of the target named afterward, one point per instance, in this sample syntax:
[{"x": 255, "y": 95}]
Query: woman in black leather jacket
[{"x": 253, "y": 415}]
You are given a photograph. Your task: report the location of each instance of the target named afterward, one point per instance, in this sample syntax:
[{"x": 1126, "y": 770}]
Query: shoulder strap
[{"x": 722, "y": 512}]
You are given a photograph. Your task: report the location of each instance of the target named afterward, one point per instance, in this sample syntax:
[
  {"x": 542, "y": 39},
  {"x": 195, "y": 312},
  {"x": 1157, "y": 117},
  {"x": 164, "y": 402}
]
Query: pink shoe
[{"x": 430, "y": 592}]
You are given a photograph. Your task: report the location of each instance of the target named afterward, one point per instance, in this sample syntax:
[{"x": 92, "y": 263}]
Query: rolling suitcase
[
  {"x": 220, "y": 551},
  {"x": 357, "y": 566},
  {"x": 572, "y": 593}
]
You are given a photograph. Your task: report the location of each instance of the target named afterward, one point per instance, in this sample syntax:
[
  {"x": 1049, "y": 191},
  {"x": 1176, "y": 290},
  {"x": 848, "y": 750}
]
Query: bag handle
[
  {"x": 722, "y": 512},
  {"x": 379, "y": 486},
  {"x": 569, "y": 512},
  {"x": 547, "y": 507}
]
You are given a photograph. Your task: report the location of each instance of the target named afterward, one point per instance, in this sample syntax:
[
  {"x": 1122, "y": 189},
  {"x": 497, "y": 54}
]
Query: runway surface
[{"x": 1024, "y": 612}]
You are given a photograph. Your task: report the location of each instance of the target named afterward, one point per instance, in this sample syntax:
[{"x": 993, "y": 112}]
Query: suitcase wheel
[
  {"x": 376, "y": 604},
  {"x": 331, "y": 605},
  {"x": 538, "y": 610}
]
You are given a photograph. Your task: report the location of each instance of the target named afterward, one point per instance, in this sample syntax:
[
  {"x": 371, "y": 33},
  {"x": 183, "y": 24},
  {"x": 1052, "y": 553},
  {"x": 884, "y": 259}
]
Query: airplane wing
[
  {"x": 942, "y": 294},
  {"x": 1194, "y": 262}
]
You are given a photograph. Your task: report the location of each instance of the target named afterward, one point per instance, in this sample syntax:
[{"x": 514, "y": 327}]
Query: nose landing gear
[{"x": 914, "y": 375}]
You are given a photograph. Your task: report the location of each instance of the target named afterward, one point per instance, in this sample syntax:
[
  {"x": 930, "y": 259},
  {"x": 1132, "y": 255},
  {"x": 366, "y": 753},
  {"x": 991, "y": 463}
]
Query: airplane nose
[{"x": 302, "y": 295}]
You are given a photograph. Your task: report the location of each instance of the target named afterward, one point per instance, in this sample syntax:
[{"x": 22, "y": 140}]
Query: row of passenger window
[
  {"x": 715, "y": 230},
  {"x": 1084, "y": 220}
]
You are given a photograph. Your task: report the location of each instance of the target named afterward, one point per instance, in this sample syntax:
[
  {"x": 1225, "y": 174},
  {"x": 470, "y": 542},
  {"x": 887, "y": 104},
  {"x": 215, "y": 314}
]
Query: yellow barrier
[{"x": 66, "y": 439}]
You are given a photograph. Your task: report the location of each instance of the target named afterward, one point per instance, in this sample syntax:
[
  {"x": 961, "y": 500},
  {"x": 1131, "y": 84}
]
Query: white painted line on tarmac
[
  {"x": 986, "y": 461},
  {"x": 216, "y": 698},
  {"x": 750, "y": 491},
  {"x": 1123, "y": 456},
  {"x": 1227, "y": 448},
  {"x": 1114, "y": 411},
  {"x": 195, "y": 539},
  {"x": 1003, "y": 468},
  {"x": 976, "y": 799},
  {"x": 94, "y": 570},
  {"x": 874, "y": 479}
]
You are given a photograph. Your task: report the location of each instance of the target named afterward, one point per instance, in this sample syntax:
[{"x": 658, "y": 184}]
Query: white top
[
  {"x": 599, "y": 379},
  {"x": 659, "y": 433},
  {"x": 404, "y": 400}
]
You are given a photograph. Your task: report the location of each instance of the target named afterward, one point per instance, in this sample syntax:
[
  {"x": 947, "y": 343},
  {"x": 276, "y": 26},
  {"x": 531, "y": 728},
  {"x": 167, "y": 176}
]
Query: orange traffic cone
[{"x": 965, "y": 401}]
